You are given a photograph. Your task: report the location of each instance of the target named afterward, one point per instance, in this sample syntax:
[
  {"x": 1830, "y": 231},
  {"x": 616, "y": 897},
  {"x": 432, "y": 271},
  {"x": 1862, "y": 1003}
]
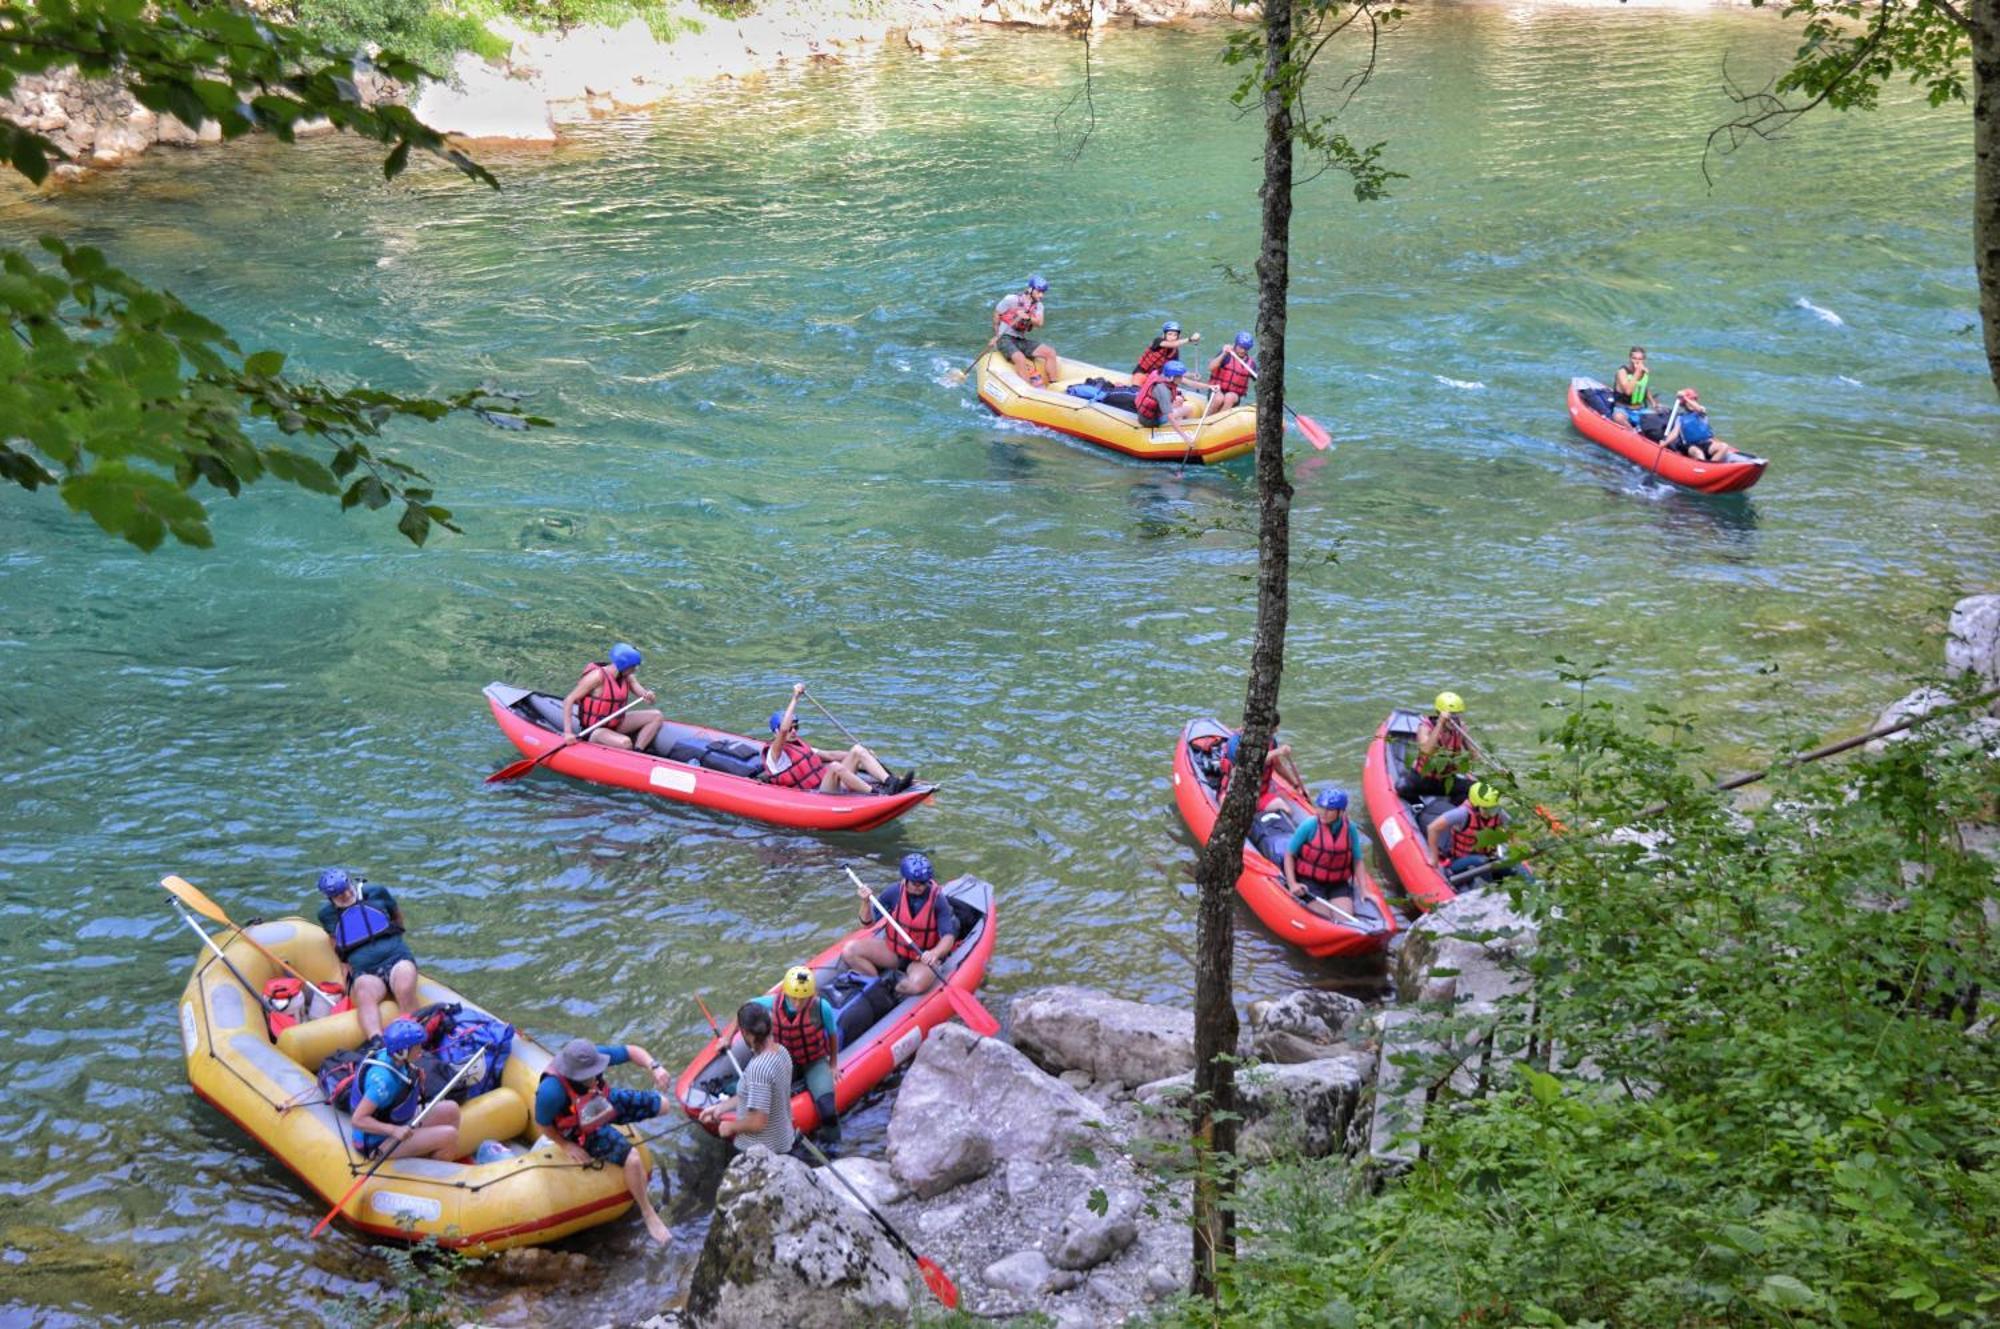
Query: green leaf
[
  {"x": 265, "y": 364},
  {"x": 368, "y": 492},
  {"x": 1098, "y": 1202},
  {"x": 299, "y": 469},
  {"x": 393, "y": 164},
  {"x": 414, "y": 523},
  {"x": 138, "y": 505},
  {"x": 1785, "y": 1291}
]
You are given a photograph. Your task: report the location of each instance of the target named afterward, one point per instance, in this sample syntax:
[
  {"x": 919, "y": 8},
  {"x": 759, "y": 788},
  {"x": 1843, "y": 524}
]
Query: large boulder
[
  {"x": 1467, "y": 954},
  {"x": 1972, "y": 643},
  {"x": 1106, "y": 1037},
  {"x": 783, "y": 1248},
  {"x": 480, "y": 101},
  {"x": 1088, "y": 1238},
  {"x": 1307, "y": 1108},
  {"x": 968, "y": 1100},
  {"x": 1305, "y": 1025}
]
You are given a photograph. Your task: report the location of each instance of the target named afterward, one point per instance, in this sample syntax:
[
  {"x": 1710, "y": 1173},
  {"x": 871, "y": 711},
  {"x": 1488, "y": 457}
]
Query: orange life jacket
[
  {"x": 612, "y": 691},
  {"x": 1328, "y": 858},
  {"x": 1154, "y": 357},
  {"x": 1465, "y": 839},
  {"x": 569, "y": 1124},
  {"x": 801, "y": 1033},
  {"x": 804, "y": 770},
  {"x": 1450, "y": 739},
  {"x": 1232, "y": 375},
  {"x": 1142, "y": 402},
  {"x": 921, "y": 923}
]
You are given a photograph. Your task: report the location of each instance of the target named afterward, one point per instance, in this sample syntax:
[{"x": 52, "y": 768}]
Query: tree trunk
[
  {"x": 1985, "y": 19},
  {"x": 1221, "y": 859}
]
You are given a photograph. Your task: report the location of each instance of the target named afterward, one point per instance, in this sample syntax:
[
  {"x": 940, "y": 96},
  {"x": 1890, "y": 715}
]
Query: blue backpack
[{"x": 471, "y": 1034}]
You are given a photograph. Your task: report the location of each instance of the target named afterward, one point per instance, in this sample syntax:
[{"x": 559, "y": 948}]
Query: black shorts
[{"x": 1012, "y": 344}]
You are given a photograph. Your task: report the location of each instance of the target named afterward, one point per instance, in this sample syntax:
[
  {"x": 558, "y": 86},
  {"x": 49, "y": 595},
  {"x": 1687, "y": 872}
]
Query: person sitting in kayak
[
  {"x": 1320, "y": 861},
  {"x": 389, "y": 1093},
  {"x": 367, "y": 931},
  {"x": 807, "y": 1027},
  {"x": 580, "y": 1113},
  {"x": 1279, "y": 763},
  {"x": 763, "y": 1098},
  {"x": 1689, "y": 432},
  {"x": 1463, "y": 839},
  {"x": 1015, "y": 321},
  {"x": 792, "y": 763},
  {"x": 925, "y": 915},
  {"x": 1442, "y": 747},
  {"x": 602, "y": 692},
  {"x": 1230, "y": 375},
  {"x": 1157, "y": 399},
  {"x": 1165, "y": 347},
  {"x": 1630, "y": 394}
]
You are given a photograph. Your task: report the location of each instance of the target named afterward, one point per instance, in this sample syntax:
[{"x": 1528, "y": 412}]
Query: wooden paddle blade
[
  {"x": 977, "y": 1018},
  {"x": 190, "y": 895},
  {"x": 1315, "y": 434},
  {"x": 939, "y": 1282}
]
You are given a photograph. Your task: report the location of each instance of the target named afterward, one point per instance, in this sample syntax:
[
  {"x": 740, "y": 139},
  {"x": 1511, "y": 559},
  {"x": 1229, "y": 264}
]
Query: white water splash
[
  {"x": 1850, "y": 382},
  {"x": 1465, "y": 384},
  {"x": 1824, "y": 315}
]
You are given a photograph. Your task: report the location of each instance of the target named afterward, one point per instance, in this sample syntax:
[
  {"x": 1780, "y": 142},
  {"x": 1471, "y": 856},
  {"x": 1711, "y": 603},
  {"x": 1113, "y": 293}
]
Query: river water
[{"x": 745, "y": 312}]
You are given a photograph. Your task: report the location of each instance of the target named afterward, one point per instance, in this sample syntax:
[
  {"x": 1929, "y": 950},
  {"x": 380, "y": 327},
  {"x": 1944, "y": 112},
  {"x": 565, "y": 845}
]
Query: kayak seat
[
  {"x": 1271, "y": 833},
  {"x": 1432, "y": 808}
]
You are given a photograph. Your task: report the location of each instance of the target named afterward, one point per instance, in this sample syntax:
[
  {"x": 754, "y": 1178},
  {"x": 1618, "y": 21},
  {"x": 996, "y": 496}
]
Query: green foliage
[
  {"x": 1849, "y": 52},
  {"x": 422, "y": 30},
  {"x": 1749, "y": 1093},
  {"x": 420, "y": 1292}
]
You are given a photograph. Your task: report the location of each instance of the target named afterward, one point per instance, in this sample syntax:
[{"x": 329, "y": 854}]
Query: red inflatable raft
[
  {"x": 690, "y": 764},
  {"x": 867, "y": 1057},
  {"x": 1706, "y": 477},
  {"x": 1398, "y": 824},
  {"x": 1262, "y": 883}
]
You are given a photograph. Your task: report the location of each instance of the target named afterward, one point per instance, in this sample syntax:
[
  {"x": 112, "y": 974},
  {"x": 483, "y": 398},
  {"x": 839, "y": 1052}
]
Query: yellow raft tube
[
  {"x": 1218, "y": 438},
  {"x": 536, "y": 1195}
]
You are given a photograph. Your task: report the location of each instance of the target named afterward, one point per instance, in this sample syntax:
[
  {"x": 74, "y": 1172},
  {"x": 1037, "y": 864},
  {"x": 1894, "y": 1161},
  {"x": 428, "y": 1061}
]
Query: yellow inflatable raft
[
  {"x": 1218, "y": 438},
  {"x": 534, "y": 1195}
]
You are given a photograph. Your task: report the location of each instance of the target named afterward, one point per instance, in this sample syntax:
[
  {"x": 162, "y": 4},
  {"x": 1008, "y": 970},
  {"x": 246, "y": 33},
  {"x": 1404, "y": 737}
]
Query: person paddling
[
  {"x": 577, "y": 1109},
  {"x": 792, "y": 763},
  {"x": 387, "y": 1095},
  {"x": 1690, "y": 433},
  {"x": 367, "y": 931},
  {"x": 924, "y": 914},
  {"x": 1165, "y": 347},
  {"x": 601, "y": 693},
  {"x": 1461, "y": 840},
  {"x": 808, "y": 1029},
  {"x": 1158, "y": 401},
  {"x": 1321, "y": 858},
  {"x": 1230, "y": 375},
  {"x": 1279, "y": 764},
  {"x": 763, "y": 1098},
  {"x": 1016, "y": 320},
  {"x": 1631, "y": 394},
  {"x": 1442, "y": 747}
]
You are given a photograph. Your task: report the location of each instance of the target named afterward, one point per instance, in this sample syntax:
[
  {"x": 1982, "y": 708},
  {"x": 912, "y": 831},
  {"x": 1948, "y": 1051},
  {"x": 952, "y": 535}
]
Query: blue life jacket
[
  {"x": 1696, "y": 428},
  {"x": 359, "y": 924},
  {"x": 404, "y": 1109}
]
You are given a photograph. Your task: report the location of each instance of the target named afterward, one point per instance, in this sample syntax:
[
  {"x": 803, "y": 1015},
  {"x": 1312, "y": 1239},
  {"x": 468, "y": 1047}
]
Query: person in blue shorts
[
  {"x": 367, "y": 931},
  {"x": 581, "y": 1113},
  {"x": 389, "y": 1093}
]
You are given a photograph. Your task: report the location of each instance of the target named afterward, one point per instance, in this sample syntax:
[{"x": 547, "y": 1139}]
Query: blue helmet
[
  {"x": 778, "y": 720},
  {"x": 334, "y": 881},
  {"x": 1244, "y": 341},
  {"x": 1331, "y": 797},
  {"x": 1038, "y": 282},
  {"x": 1229, "y": 748},
  {"x": 402, "y": 1035},
  {"x": 624, "y": 656},
  {"x": 1169, "y": 326},
  {"x": 917, "y": 868},
  {"x": 1173, "y": 369}
]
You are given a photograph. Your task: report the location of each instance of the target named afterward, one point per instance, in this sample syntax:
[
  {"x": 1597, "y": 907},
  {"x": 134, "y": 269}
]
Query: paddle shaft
[
  {"x": 526, "y": 764},
  {"x": 826, "y": 1165},
  {"x": 887, "y": 917},
  {"x": 1660, "y": 452},
  {"x": 845, "y": 732},
  {"x": 209, "y": 942},
  {"x": 415, "y": 1122},
  {"x": 183, "y": 888},
  {"x": 1251, "y": 370}
]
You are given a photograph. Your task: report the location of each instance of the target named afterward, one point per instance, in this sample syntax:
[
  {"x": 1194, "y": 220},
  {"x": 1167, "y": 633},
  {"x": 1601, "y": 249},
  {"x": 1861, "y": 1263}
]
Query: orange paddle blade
[
  {"x": 977, "y": 1017},
  {"x": 516, "y": 769},
  {"x": 190, "y": 895},
  {"x": 939, "y": 1282},
  {"x": 1314, "y": 432}
]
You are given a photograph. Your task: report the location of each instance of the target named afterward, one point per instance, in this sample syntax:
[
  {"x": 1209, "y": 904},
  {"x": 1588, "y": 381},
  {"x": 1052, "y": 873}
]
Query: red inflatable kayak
[
  {"x": 866, "y": 1057},
  {"x": 1706, "y": 477},
  {"x": 690, "y": 764},
  {"x": 1262, "y": 883},
  {"x": 1398, "y": 824}
]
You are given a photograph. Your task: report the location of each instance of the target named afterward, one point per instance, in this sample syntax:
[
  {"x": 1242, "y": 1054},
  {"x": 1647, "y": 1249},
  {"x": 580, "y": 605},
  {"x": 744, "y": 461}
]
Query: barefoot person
[
  {"x": 367, "y": 930},
  {"x": 1689, "y": 432},
  {"x": 926, "y": 916},
  {"x": 389, "y": 1093},
  {"x": 1016, "y": 321},
  {"x": 577, "y": 1109},
  {"x": 602, "y": 691},
  {"x": 792, "y": 763}
]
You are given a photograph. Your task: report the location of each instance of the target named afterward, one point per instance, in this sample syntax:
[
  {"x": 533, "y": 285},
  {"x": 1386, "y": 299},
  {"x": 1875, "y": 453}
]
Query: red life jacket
[
  {"x": 1023, "y": 321},
  {"x": 1328, "y": 858},
  {"x": 800, "y": 1034},
  {"x": 1154, "y": 357},
  {"x": 1143, "y": 403},
  {"x": 805, "y": 768},
  {"x": 922, "y": 924},
  {"x": 1264, "y": 795},
  {"x": 1451, "y": 739},
  {"x": 613, "y": 689},
  {"x": 1232, "y": 375},
  {"x": 290, "y": 994},
  {"x": 569, "y": 1124},
  {"x": 1465, "y": 839}
]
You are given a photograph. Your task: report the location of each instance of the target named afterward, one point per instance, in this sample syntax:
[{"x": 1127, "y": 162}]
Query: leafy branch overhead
[
  {"x": 117, "y": 395},
  {"x": 1317, "y": 24}
]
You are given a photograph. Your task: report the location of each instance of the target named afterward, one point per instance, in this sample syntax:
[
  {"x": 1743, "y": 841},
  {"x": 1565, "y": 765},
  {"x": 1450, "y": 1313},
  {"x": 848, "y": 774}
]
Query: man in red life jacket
[
  {"x": 1320, "y": 861},
  {"x": 1462, "y": 839},
  {"x": 1230, "y": 375},
  {"x": 792, "y": 763},
  {"x": 1443, "y": 748},
  {"x": 578, "y": 1111},
  {"x": 925, "y": 914},
  {"x": 1015, "y": 321},
  {"x": 1165, "y": 347},
  {"x": 1157, "y": 399},
  {"x": 602, "y": 691},
  {"x": 1279, "y": 764}
]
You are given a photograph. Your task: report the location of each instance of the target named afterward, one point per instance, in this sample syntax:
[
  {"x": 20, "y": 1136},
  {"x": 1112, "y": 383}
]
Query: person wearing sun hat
[{"x": 579, "y": 1110}]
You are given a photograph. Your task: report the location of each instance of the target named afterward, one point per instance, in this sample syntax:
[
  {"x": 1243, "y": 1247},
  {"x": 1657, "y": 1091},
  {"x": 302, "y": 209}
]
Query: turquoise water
[{"x": 746, "y": 313}]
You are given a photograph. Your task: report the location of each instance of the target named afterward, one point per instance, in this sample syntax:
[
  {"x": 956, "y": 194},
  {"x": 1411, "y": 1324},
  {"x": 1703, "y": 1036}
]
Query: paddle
[
  {"x": 977, "y": 1017},
  {"x": 935, "y": 1278},
  {"x": 526, "y": 764},
  {"x": 966, "y": 372},
  {"x": 185, "y": 891},
  {"x": 845, "y": 732},
  {"x": 1315, "y": 433},
  {"x": 209, "y": 942},
  {"x": 1660, "y": 449},
  {"x": 476, "y": 1059}
]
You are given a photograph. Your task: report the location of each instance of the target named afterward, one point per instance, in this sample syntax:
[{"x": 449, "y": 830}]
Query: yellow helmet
[
  {"x": 1450, "y": 703},
  {"x": 799, "y": 985},
  {"x": 1483, "y": 796}
]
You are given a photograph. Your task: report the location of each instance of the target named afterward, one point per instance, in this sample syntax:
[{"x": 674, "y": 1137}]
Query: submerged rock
[
  {"x": 785, "y": 1249},
  {"x": 1107, "y": 1038}
]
